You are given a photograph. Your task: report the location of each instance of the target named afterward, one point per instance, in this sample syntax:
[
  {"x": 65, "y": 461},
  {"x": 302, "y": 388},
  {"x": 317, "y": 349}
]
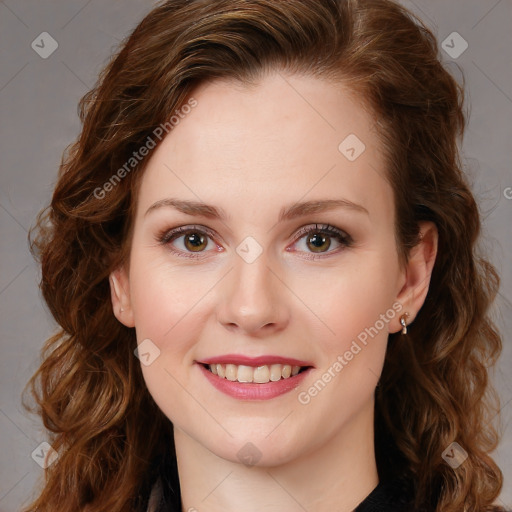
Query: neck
[{"x": 335, "y": 476}]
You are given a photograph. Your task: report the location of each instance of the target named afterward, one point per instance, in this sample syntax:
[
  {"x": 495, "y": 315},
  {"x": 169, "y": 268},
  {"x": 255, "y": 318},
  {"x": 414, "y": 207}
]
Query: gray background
[{"x": 38, "y": 105}]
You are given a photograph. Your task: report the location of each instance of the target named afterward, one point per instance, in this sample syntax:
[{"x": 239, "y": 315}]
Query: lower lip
[{"x": 251, "y": 390}]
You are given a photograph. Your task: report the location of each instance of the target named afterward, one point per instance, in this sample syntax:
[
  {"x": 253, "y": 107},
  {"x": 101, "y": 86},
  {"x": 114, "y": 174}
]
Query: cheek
[
  {"x": 351, "y": 301},
  {"x": 355, "y": 308},
  {"x": 171, "y": 305},
  {"x": 166, "y": 298},
  {"x": 169, "y": 309}
]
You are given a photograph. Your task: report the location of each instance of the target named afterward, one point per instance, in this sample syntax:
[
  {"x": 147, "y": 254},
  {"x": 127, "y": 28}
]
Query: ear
[
  {"x": 120, "y": 294},
  {"x": 417, "y": 274}
]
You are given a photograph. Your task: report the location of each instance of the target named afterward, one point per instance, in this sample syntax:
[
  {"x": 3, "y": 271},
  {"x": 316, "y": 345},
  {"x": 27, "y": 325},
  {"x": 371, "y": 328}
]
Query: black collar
[{"x": 391, "y": 495}]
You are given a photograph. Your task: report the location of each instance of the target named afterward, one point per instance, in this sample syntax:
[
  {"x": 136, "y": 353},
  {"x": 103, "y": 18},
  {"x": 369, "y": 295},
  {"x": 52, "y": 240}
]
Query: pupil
[
  {"x": 314, "y": 239},
  {"x": 195, "y": 240}
]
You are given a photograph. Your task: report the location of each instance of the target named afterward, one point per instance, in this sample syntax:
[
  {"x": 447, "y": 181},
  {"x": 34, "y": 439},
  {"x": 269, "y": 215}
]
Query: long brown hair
[{"x": 434, "y": 388}]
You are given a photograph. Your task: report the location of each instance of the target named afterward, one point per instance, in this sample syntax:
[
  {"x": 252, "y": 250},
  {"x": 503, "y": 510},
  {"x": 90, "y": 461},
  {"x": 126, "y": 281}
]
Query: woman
[{"x": 260, "y": 251}]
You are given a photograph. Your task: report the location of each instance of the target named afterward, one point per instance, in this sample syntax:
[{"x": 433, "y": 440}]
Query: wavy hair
[{"x": 434, "y": 388}]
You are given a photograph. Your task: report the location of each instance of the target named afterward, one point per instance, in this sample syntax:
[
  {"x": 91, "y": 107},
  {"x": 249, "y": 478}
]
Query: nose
[{"x": 253, "y": 299}]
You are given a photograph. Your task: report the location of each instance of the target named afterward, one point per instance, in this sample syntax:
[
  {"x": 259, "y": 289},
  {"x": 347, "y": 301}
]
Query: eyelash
[{"x": 166, "y": 237}]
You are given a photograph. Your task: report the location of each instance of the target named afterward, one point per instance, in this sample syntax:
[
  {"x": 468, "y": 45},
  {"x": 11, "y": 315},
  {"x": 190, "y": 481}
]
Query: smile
[
  {"x": 256, "y": 378},
  {"x": 259, "y": 374}
]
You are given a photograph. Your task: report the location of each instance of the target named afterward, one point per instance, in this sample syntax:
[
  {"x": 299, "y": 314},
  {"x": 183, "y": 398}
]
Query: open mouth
[{"x": 255, "y": 374}]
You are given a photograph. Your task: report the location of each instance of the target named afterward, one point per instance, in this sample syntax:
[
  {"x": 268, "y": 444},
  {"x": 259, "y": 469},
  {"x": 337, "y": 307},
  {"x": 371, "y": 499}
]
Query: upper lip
[{"x": 254, "y": 361}]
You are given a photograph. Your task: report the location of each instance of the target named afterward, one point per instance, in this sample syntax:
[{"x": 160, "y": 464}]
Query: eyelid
[
  {"x": 165, "y": 237},
  {"x": 343, "y": 238},
  {"x": 323, "y": 228}
]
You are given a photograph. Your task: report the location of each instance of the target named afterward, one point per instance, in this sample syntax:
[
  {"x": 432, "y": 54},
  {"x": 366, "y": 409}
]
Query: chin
[{"x": 255, "y": 450}]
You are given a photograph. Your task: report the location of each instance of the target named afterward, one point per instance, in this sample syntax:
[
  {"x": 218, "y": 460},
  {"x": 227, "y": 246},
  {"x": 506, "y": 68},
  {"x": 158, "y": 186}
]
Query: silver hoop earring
[{"x": 403, "y": 322}]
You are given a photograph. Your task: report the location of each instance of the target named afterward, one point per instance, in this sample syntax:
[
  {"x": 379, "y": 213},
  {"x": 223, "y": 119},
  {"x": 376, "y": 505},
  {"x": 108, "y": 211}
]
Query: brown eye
[
  {"x": 319, "y": 242},
  {"x": 195, "y": 242},
  {"x": 319, "y": 239},
  {"x": 187, "y": 241}
]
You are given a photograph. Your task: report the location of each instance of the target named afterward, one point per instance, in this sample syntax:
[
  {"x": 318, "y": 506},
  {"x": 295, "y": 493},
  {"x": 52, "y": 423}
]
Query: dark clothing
[{"x": 393, "y": 495}]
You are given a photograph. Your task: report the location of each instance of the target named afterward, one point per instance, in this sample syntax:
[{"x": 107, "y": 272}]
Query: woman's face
[{"x": 252, "y": 283}]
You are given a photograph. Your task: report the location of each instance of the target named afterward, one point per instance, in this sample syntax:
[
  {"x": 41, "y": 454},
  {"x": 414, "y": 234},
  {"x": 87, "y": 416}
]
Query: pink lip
[
  {"x": 251, "y": 390},
  {"x": 254, "y": 361}
]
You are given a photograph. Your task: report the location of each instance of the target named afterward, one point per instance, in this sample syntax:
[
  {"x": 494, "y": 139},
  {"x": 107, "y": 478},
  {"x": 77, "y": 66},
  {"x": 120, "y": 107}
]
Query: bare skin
[{"x": 252, "y": 151}]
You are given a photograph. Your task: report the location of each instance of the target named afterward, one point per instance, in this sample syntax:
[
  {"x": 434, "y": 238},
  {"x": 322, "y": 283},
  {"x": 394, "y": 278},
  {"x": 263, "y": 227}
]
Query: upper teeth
[{"x": 260, "y": 374}]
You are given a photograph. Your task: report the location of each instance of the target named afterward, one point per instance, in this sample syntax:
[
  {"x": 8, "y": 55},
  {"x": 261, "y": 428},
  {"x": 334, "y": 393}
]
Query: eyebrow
[{"x": 197, "y": 208}]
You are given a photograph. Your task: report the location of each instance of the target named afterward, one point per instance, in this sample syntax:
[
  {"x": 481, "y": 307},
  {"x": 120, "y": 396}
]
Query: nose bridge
[{"x": 252, "y": 298}]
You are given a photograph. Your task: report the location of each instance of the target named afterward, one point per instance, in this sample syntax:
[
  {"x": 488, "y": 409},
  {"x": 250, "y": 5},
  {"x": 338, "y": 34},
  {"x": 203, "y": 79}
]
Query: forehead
[{"x": 284, "y": 138}]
